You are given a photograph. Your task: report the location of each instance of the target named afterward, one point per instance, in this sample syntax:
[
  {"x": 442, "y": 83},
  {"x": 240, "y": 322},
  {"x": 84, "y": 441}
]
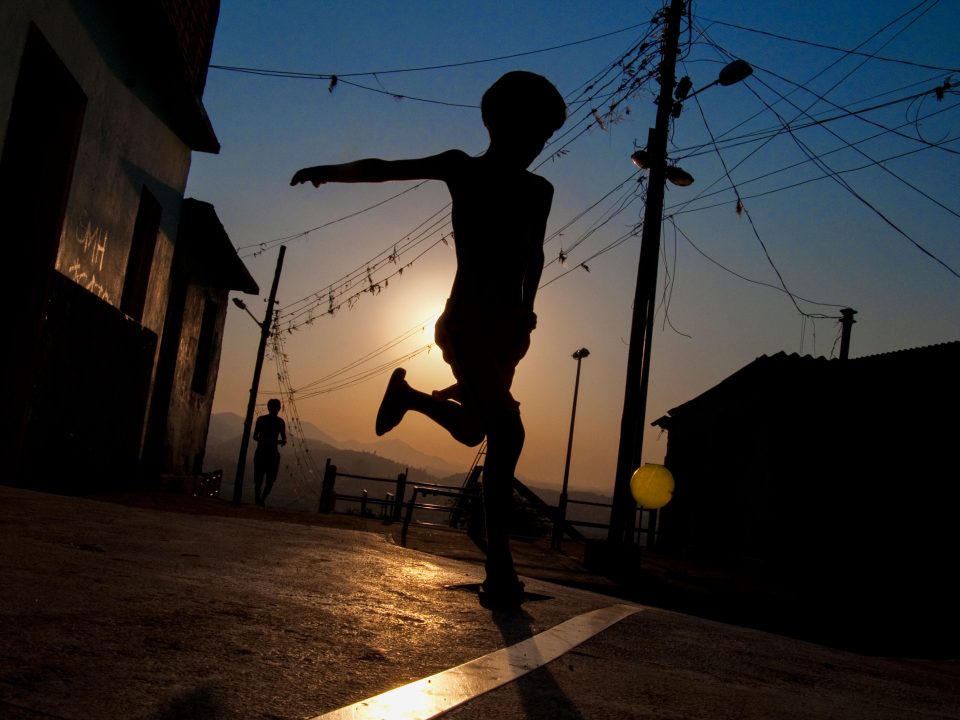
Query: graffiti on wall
[{"x": 88, "y": 251}]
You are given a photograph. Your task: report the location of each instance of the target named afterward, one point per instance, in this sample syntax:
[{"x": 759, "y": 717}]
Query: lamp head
[
  {"x": 641, "y": 158},
  {"x": 735, "y": 72},
  {"x": 679, "y": 176}
]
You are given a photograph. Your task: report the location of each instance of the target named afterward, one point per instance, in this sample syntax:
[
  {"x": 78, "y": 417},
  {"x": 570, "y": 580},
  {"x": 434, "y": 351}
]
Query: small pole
[
  {"x": 255, "y": 386},
  {"x": 327, "y": 491},
  {"x": 561, "y": 518},
  {"x": 401, "y": 491}
]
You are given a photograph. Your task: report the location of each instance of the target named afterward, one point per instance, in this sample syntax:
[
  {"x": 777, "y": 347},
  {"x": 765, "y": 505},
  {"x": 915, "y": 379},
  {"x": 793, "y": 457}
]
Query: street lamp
[
  {"x": 243, "y": 306},
  {"x": 561, "y": 518},
  {"x": 653, "y": 158}
]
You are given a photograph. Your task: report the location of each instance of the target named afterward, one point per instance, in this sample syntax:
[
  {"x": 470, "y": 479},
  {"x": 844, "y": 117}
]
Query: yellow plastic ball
[{"x": 652, "y": 486}]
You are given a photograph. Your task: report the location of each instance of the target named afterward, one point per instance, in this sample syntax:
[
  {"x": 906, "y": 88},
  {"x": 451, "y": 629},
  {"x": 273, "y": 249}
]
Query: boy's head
[
  {"x": 273, "y": 406},
  {"x": 521, "y": 111}
]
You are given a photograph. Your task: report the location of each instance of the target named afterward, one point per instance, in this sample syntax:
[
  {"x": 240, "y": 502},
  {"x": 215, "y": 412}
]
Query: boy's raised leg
[{"x": 464, "y": 426}]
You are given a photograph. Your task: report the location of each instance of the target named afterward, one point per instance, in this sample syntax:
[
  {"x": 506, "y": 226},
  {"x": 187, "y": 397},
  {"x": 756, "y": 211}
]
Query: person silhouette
[
  {"x": 269, "y": 432},
  {"x": 499, "y": 218}
]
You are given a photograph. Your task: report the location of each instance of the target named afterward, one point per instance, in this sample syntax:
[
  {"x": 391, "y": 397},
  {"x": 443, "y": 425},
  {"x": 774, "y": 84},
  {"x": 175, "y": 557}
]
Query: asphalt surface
[{"x": 112, "y": 610}]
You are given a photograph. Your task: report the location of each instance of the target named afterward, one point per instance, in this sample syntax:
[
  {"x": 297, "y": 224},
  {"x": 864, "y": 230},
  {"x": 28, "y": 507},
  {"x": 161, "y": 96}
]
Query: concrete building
[{"x": 117, "y": 285}]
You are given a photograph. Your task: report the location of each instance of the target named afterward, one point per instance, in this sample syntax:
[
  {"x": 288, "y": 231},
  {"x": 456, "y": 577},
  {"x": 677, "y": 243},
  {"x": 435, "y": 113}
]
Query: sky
[{"x": 845, "y": 165}]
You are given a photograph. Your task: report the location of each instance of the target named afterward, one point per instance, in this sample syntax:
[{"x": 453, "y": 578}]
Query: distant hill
[{"x": 227, "y": 426}]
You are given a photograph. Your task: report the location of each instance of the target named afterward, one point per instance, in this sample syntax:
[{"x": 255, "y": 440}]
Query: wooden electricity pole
[
  {"x": 630, "y": 451},
  {"x": 255, "y": 386}
]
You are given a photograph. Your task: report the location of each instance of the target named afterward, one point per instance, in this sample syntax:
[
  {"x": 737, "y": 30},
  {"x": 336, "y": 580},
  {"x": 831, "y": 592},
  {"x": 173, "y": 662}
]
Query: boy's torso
[{"x": 498, "y": 220}]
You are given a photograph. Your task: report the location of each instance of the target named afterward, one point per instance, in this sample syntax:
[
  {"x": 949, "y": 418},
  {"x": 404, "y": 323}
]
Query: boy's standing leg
[
  {"x": 273, "y": 468},
  {"x": 505, "y": 437}
]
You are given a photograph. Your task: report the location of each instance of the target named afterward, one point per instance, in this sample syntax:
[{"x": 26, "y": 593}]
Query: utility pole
[
  {"x": 638, "y": 360},
  {"x": 255, "y": 387}
]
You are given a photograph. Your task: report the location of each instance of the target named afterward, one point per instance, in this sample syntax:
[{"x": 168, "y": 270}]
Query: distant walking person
[
  {"x": 270, "y": 433},
  {"x": 499, "y": 216}
]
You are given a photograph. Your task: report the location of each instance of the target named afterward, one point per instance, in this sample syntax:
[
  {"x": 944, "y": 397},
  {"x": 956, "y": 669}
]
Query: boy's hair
[
  {"x": 273, "y": 403},
  {"x": 523, "y": 99}
]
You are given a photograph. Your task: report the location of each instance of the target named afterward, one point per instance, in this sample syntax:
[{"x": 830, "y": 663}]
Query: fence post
[
  {"x": 327, "y": 493},
  {"x": 363, "y": 503},
  {"x": 401, "y": 491}
]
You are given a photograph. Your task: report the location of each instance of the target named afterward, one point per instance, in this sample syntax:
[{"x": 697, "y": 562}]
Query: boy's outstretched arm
[{"x": 435, "y": 167}]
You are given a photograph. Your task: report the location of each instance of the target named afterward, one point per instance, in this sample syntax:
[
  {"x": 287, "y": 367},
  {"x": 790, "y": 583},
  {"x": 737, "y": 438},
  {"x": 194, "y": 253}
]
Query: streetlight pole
[
  {"x": 255, "y": 386},
  {"x": 562, "y": 506},
  {"x": 638, "y": 358}
]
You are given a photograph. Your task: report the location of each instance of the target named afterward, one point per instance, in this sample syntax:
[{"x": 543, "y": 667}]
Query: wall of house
[
  {"x": 125, "y": 151},
  {"x": 191, "y": 401}
]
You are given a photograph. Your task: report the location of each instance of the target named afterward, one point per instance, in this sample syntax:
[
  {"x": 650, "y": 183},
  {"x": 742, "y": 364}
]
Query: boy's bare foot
[{"x": 393, "y": 406}]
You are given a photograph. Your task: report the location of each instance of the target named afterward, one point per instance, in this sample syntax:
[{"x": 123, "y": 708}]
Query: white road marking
[{"x": 432, "y": 696}]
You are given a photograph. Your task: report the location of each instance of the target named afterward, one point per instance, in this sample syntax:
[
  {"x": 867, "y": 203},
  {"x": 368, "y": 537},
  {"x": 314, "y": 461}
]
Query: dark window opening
[
  {"x": 140, "y": 261},
  {"x": 201, "y": 368}
]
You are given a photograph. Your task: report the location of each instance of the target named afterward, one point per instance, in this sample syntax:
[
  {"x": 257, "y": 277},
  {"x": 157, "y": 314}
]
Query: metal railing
[
  {"x": 428, "y": 490},
  {"x": 393, "y": 504}
]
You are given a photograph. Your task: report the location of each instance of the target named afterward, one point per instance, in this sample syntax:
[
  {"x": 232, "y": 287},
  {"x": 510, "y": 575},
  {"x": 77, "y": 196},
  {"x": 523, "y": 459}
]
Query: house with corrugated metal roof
[{"x": 836, "y": 476}]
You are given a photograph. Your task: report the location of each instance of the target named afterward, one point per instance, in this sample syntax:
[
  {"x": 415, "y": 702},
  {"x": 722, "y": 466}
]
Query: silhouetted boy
[
  {"x": 269, "y": 433},
  {"x": 499, "y": 215}
]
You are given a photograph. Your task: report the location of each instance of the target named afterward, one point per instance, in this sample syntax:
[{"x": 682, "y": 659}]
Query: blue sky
[{"x": 844, "y": 245}]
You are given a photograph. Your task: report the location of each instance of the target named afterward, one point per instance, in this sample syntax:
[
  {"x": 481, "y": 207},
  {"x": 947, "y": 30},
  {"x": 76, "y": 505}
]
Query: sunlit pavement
[{"x": 110, "y": 611}]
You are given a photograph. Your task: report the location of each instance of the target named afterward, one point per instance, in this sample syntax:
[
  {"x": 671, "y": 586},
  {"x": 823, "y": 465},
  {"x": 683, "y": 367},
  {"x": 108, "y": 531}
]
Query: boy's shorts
[{"x": 483, "y": 347}]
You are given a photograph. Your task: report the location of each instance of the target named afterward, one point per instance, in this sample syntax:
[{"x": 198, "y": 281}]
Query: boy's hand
[{"x": 311, "y": 175}]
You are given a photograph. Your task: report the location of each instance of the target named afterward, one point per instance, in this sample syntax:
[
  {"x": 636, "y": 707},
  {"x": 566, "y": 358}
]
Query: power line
[
  {"x": 391, "y": 253},
  {"x": 744, "y": 210},
  {"x": 846, "y": 186},
  {"x": 683, "y": 206},
  {"x": 363, "y": 376},
  {"x": 823, "y": 70},
  {"x": 444, "y": 66},
  {"x": 726, "y": 269},
  {"x": 417, "y": 329},
  {"x": 853, "y": 146},
  {"x": 829, "y": 47},
  {"x": 772, "y": 132},
  {"x": 822, "y": 165}
]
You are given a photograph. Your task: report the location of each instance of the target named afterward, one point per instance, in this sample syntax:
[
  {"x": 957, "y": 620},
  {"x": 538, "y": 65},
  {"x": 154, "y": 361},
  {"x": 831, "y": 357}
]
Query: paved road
[{"x": 108, "y": 611}]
